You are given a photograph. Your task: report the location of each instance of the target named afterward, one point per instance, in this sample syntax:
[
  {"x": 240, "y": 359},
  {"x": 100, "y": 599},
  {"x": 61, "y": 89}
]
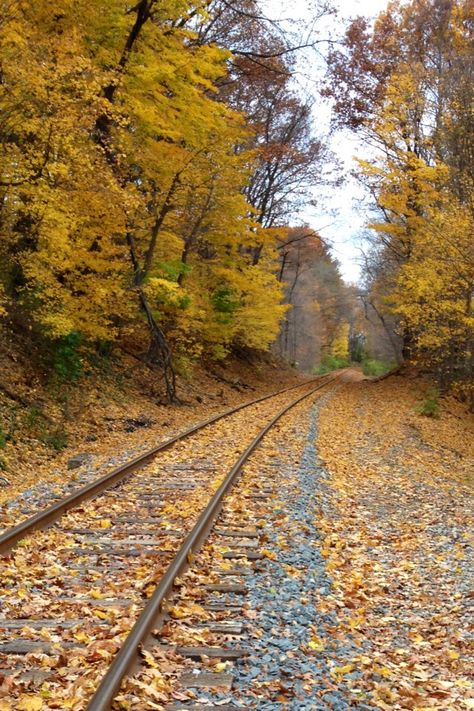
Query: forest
[
  {"x": 236, "y": 361},
  {"x": 157, "y": 160}
]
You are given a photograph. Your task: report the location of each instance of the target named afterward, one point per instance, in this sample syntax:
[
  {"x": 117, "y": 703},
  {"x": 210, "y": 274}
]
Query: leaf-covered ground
[
  {"x": 88, "y": 576},
  {"x": 398, "y": 537},
  {"x": 364, "y": 596},
  {"x": 364, "y": 599},
  {"x": 109, "y": 416}
]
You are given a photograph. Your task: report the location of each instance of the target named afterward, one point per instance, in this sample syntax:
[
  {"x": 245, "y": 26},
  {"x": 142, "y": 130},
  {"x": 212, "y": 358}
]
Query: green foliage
[
  {"x": 3, "y": 439},
  {"x": 184, "y": 366},
  {"x": 66, "y": 360},
  {"x": 375, "y": 367},
  {"x": 173, "y": 269},
  {"x": 330, "y": 363},
  {"x": 430, "y": 406},
  {"x": 224, "y": 300}
]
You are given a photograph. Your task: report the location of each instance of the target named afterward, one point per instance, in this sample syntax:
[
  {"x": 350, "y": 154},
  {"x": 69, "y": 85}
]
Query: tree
[
  {"x": 122, "y": 187},
  {"x": 289, "y": 158},
  {"x": 316, "y": 296},
  {"x": 411, "y": 101}
]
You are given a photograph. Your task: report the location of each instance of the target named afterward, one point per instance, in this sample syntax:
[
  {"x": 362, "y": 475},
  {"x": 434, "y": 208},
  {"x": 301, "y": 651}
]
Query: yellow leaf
[
  {"x": 316, "y": 643},
  {"x": 105, "y": 523},
  {"x": 340, "y": 671},
  {"x": 384, "y": 671},
  {"x": 356, "y": 622},
  {"x": 149, "y": 659},
  {"x": 101, "y": 615},
  {"x": 30, "y": 703},
  {"x": 220, "y": 666},
  {"x": 452, "y": 654}
]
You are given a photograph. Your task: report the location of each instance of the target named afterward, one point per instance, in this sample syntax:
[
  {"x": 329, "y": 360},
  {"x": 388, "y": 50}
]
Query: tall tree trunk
[{"x": 159, "y": 350}]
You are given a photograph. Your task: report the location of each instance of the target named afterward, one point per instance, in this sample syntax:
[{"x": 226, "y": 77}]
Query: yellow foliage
[
  {"x": 105, "y": 196},
  {"x": 340, "y": 345},
  {"x": 426, "y": 232}
]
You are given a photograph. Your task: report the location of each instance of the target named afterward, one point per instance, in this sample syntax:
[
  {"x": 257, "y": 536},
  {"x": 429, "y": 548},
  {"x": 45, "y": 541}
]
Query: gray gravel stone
[
  {"x": 286, "y": 621},
  {"x": 78, "y": 460}
]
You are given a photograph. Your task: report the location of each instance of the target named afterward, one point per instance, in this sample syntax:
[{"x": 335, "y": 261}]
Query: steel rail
[
  {"x": 45, "y": 517},
  {"x": 146, "y": 622}
]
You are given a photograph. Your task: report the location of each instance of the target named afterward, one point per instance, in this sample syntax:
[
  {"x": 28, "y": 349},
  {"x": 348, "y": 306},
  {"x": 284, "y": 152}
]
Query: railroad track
[
  {"x": 109, "y": 556},
  {"x": 42, "y": 518}
]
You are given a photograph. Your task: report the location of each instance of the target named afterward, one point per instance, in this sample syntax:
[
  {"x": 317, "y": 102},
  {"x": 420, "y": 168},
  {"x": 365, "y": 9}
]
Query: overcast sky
[{"x": 341, "y": 229}]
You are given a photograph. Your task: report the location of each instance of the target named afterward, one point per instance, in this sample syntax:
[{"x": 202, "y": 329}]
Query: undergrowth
[
  {"x": 330, "y": 363},
  {"x": 375, "y": 367},
  {"x": 430, "y": 406}
]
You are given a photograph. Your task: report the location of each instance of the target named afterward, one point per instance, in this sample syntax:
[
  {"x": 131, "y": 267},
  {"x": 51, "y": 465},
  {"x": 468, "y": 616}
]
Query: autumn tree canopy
[{"x": 147, "y": 153}]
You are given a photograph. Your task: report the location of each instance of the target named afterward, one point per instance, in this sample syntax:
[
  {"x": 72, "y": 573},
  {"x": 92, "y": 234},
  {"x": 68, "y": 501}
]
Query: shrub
[
  {"x": 430, "y": 406},
  {"x": 66, "y": 360},
  {"x": 375, "y": 367},
  {"x": 184, "y": 366},
  {"x": 330, "y": 363}
]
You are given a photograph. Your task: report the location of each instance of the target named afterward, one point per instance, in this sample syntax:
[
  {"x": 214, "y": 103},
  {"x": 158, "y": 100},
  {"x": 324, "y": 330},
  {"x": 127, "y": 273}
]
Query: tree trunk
[{"x": 159, "y": 350}]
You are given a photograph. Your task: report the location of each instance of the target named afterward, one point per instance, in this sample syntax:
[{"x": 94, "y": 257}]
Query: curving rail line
[
  {"x": 44, "y": 518},
  {"x": 177, "y": 561},
  {"x": 147, "y": 621}
]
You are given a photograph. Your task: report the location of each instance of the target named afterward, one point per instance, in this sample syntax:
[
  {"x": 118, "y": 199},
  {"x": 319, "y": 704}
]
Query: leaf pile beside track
[{"x": 398, "y": 539}]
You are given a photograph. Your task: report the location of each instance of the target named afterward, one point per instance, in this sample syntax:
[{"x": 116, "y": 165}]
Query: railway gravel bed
[
  {"x": 247, "y": 632},
  {"x": 294, "y": 663}
]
